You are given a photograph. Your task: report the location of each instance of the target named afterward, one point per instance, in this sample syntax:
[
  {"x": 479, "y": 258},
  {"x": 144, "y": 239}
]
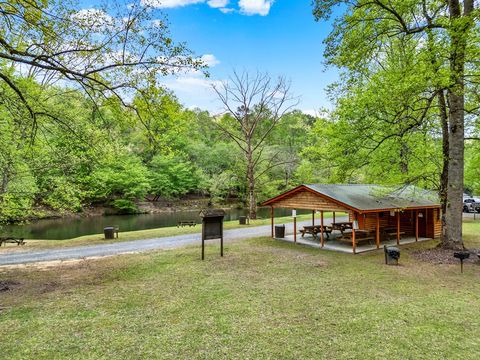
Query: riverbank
[
  {"x": 143, "y": 207},
  {"x": 144, "y": 234}
]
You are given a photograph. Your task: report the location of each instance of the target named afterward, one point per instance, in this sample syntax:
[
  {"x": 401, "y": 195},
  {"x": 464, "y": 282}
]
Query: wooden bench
[
  {"x": 186, "y": 223},
  {"x": 393, "y": 235},
  {"x": 18, "y": 241},
  {"x": 361, "y": 236}
]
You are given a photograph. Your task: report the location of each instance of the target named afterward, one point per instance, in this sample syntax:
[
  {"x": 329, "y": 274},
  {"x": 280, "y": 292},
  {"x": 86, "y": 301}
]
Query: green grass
[
  {"x": 147, "y": 234},
  {"x": 264, "y": 300}
]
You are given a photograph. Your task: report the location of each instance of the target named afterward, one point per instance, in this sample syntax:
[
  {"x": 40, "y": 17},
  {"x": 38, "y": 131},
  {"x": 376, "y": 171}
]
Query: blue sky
[{"x": 280, "y": 37}]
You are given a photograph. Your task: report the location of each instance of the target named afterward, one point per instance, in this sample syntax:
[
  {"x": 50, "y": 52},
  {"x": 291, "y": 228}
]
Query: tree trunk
[
  {"x": 445, "y": 154},
  {"x": 452, "y": 232},
  {"x": 252, "y": 201}
]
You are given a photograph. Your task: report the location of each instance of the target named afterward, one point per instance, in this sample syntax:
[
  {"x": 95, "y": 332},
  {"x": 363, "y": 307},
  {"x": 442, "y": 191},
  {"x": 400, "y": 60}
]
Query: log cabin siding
[
  {"x": 307, "y": 200},
  {"x": 433, "y": 225}
]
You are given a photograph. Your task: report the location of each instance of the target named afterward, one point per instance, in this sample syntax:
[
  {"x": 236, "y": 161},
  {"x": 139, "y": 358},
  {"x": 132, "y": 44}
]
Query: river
[{"x": 67, "y": 228}]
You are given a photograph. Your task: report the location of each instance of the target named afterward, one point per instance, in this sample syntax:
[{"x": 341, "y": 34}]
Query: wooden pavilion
[{"x": 374, "y": 211}]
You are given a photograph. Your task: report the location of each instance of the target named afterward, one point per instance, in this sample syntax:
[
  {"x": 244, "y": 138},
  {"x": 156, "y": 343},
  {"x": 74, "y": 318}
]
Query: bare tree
[{"x": 255, "y": 104}]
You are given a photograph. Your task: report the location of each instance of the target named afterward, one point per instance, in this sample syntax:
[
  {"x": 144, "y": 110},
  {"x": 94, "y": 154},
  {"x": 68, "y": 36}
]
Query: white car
[{"x": 471, "y": 205}]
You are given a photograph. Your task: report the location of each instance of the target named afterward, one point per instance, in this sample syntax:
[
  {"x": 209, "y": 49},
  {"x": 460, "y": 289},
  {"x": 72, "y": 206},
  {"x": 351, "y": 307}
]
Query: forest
[
  {"x": 85, "y": 119},
  {"x": 106, "y": 155}
]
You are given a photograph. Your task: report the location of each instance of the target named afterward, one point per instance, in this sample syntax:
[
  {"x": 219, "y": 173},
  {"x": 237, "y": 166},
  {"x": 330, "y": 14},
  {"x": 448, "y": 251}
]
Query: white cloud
[
  {"x": 247, "y": 7},
  {"x": 255, "y": 7},
  {"x": 226, "y": 10},
  {"x": 169, "y": 3},
  {"x": 192, "y": 85},
  {"x": 179, "y": 3},
  {"x": 218, "y": 3},
  {"x": 210, "y": 60}
]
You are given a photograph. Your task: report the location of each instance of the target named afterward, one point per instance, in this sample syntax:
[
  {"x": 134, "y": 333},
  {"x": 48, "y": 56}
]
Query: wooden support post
[
  {"x": 322, "y": 239},
  {"x": 295, "y": 229},
  {"x": 398, "y": 227},
  {"x": 221, "y": 239},
  {"x": 426, "y": 223},
  {"x": 271, "y": 215},
  {"x": 354, "y": 245},
  {"x": 416, "y": 225},
  {"x": 377, "y": 233},
  {"x": 313, "y": 217},
  {"x": 333, "y": 217},
  {"x": 203, "y": 240}
]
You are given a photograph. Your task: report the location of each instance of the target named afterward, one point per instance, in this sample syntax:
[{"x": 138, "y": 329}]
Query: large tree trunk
[{"x": 452, "y": 232}]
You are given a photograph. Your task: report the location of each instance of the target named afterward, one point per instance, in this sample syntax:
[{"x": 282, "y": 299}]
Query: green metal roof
[{"x": 374, "y": 197}]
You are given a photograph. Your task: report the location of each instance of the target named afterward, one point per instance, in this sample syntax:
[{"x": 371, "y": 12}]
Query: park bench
[
  {"x": 18, "y": 241},
  {"x": 186, "y": 223}
]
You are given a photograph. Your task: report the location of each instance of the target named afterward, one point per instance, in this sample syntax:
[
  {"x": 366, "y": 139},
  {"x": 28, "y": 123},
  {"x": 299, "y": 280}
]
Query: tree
[
  {"x": 446, "y": 34},
  {"x": 254, "y": 105},
  {"x": 287, "y": 141},
  {"x": 164, "y": 123},
  {"x": 171, "y": 177},
  {"x": 110, "y": 51}
]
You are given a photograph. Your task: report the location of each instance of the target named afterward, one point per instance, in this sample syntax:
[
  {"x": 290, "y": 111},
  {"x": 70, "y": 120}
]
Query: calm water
[{"x": 58, "y": 229}]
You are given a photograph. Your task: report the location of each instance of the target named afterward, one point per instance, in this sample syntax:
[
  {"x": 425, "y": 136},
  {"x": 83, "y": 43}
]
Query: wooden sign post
[{"x": 212, "y": 227}]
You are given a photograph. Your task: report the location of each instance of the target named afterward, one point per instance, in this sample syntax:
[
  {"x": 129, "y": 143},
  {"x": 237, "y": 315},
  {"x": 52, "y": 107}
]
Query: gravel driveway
[{"x": 85, "y": 251}]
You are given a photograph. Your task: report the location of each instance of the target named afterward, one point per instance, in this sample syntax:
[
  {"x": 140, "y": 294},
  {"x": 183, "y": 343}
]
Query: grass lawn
[
  {"x": 147, "y": 234},
  {"x": 264, "y": 299}
]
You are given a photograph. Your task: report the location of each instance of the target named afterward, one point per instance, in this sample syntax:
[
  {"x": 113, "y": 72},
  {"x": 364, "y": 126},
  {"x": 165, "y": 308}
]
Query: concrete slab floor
[{"x": 335, "y": 245}]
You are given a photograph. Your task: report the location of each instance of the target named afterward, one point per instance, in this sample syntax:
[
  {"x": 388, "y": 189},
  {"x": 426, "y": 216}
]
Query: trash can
[
  {"x": 242, "y": 220},
  {"x": 392, "y": 254},
  {"x": 279, "y": 231},
  {"x": 109, "y": 232}
]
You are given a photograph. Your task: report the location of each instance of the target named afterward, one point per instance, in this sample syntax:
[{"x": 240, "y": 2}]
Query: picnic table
[
  {"x": 390, "y": 233},
  {"x": 186, "y": 223},
  {"x": 13, "y": 240},
  {"x": 342, "y": 226},
  {"x": 361, "y": 236},
  {"x": 315, "y": 230}
]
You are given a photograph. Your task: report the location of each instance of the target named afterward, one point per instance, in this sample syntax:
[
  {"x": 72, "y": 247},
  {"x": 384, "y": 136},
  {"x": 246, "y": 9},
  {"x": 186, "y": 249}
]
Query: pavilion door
[{"x": 422, "y": 225}]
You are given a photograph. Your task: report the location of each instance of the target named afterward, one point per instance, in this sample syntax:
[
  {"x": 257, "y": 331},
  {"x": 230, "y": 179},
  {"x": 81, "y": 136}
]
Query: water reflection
[{"x": 58, "y": 229}]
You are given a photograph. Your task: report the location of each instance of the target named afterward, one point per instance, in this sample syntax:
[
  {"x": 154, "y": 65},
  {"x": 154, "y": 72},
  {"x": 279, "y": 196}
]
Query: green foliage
[
  {"x": 18, "y": 198},
  {"x": 63, "y": 195},
  {"x": 472, "y": 167},
  {"x": 125, "y": 206},
  {"x": 171, "y": 176},
  {"x": 220, "y": 185},
  {"x": 119, "y": 176}
]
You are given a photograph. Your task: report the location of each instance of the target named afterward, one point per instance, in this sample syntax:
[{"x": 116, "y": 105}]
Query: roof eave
[{"x": 307, "y": 188}]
